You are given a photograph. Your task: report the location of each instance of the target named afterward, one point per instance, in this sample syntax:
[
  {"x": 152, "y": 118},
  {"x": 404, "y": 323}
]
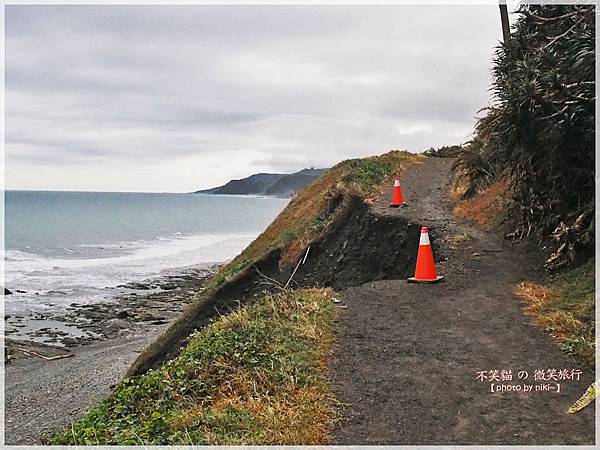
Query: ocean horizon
[{"x": 64, "y": 247}]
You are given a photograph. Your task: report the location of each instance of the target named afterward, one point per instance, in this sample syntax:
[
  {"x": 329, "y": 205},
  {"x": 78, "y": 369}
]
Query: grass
[
  {"x": 483, "y": 208},
  {"x": 566, "y": 309},
  {"x": 255, "y": 376},
  {"x": 307, "y": 214}
]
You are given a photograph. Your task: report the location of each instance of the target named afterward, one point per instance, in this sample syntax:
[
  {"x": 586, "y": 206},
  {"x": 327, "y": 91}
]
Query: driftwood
[
  {"x": 46, "y": 358},
  {"x": 569, "y": 238},
  {"x": 301, "y": 261},
  {"x": 269, "y": 281}
]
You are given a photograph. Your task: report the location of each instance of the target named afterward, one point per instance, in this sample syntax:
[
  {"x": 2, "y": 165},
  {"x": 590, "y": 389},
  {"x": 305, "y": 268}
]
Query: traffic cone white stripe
[
  {"x": 397, "y": 195},
  {"x": 425, "y": 271}
]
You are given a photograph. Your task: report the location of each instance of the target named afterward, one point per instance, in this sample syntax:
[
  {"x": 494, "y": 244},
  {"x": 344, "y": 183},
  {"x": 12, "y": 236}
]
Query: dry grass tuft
[
  {"x": 534, "y": 295},
  {"x": 483, "y": 208},
  {"x": 566, "y": 309}
]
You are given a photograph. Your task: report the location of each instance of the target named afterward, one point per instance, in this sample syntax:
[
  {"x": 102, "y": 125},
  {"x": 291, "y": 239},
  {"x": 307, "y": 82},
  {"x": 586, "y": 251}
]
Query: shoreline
[
  {"x": 45, "y": 395},
  {"x": 137, "y": 306}
]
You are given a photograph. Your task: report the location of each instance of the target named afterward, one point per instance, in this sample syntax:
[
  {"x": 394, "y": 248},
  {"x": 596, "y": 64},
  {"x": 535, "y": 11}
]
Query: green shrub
[{"x": 256, "y": 376}]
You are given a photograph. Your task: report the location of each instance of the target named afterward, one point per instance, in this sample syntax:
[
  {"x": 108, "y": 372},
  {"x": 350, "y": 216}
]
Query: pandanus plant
[{"x": 539, "y": 127}]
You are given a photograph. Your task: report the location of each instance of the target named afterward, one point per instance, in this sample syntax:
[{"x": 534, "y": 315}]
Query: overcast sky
[{"x": 165, "y": 98}]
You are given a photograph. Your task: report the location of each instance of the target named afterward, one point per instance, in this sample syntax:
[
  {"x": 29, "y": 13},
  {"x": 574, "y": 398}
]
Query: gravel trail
[{"x": 407, "y": 356}]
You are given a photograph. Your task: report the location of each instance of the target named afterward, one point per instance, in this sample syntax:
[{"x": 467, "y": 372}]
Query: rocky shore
[
  {"x": 135, "y": 307},
  {"x": 73, "y": 359}
]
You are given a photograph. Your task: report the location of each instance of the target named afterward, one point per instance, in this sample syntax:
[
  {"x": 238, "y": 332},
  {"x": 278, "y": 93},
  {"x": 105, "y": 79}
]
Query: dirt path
[{"x": 407, "y": 356}]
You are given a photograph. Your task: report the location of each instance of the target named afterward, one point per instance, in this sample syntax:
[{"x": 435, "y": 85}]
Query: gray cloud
[{"x": 181, "y": 97}]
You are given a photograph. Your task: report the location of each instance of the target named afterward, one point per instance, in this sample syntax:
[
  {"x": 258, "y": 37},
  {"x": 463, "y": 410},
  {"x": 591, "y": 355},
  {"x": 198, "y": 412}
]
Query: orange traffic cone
[
  {"x": 425, "y": 271},
  {"x": 397, "y": 195}
]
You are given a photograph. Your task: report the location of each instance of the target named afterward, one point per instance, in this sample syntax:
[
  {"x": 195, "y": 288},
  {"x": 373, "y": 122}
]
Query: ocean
[{"x": 73, "y": 247}]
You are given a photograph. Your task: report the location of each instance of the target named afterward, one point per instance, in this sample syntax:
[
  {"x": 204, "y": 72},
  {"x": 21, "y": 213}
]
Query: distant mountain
[
  {"x": 274, "y": 184},
  {"x": 255, "y": 184}
]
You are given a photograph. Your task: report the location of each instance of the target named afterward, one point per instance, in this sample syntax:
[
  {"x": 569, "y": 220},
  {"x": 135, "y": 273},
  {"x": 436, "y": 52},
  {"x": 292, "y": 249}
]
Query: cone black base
[
  {"x": 403, "y": 205},
  {"x": 438, "y": 279}
]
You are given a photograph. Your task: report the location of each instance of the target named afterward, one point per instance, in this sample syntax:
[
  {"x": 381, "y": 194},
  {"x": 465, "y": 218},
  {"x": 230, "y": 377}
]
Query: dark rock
[
  {"x": 138, "y": 286},
  {"x": 69, "y": 341}
]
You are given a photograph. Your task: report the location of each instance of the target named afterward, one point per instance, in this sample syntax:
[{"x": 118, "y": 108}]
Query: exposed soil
[
  {"x": 407, "y": 356},
  {"x": 362, "y": 248}
]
